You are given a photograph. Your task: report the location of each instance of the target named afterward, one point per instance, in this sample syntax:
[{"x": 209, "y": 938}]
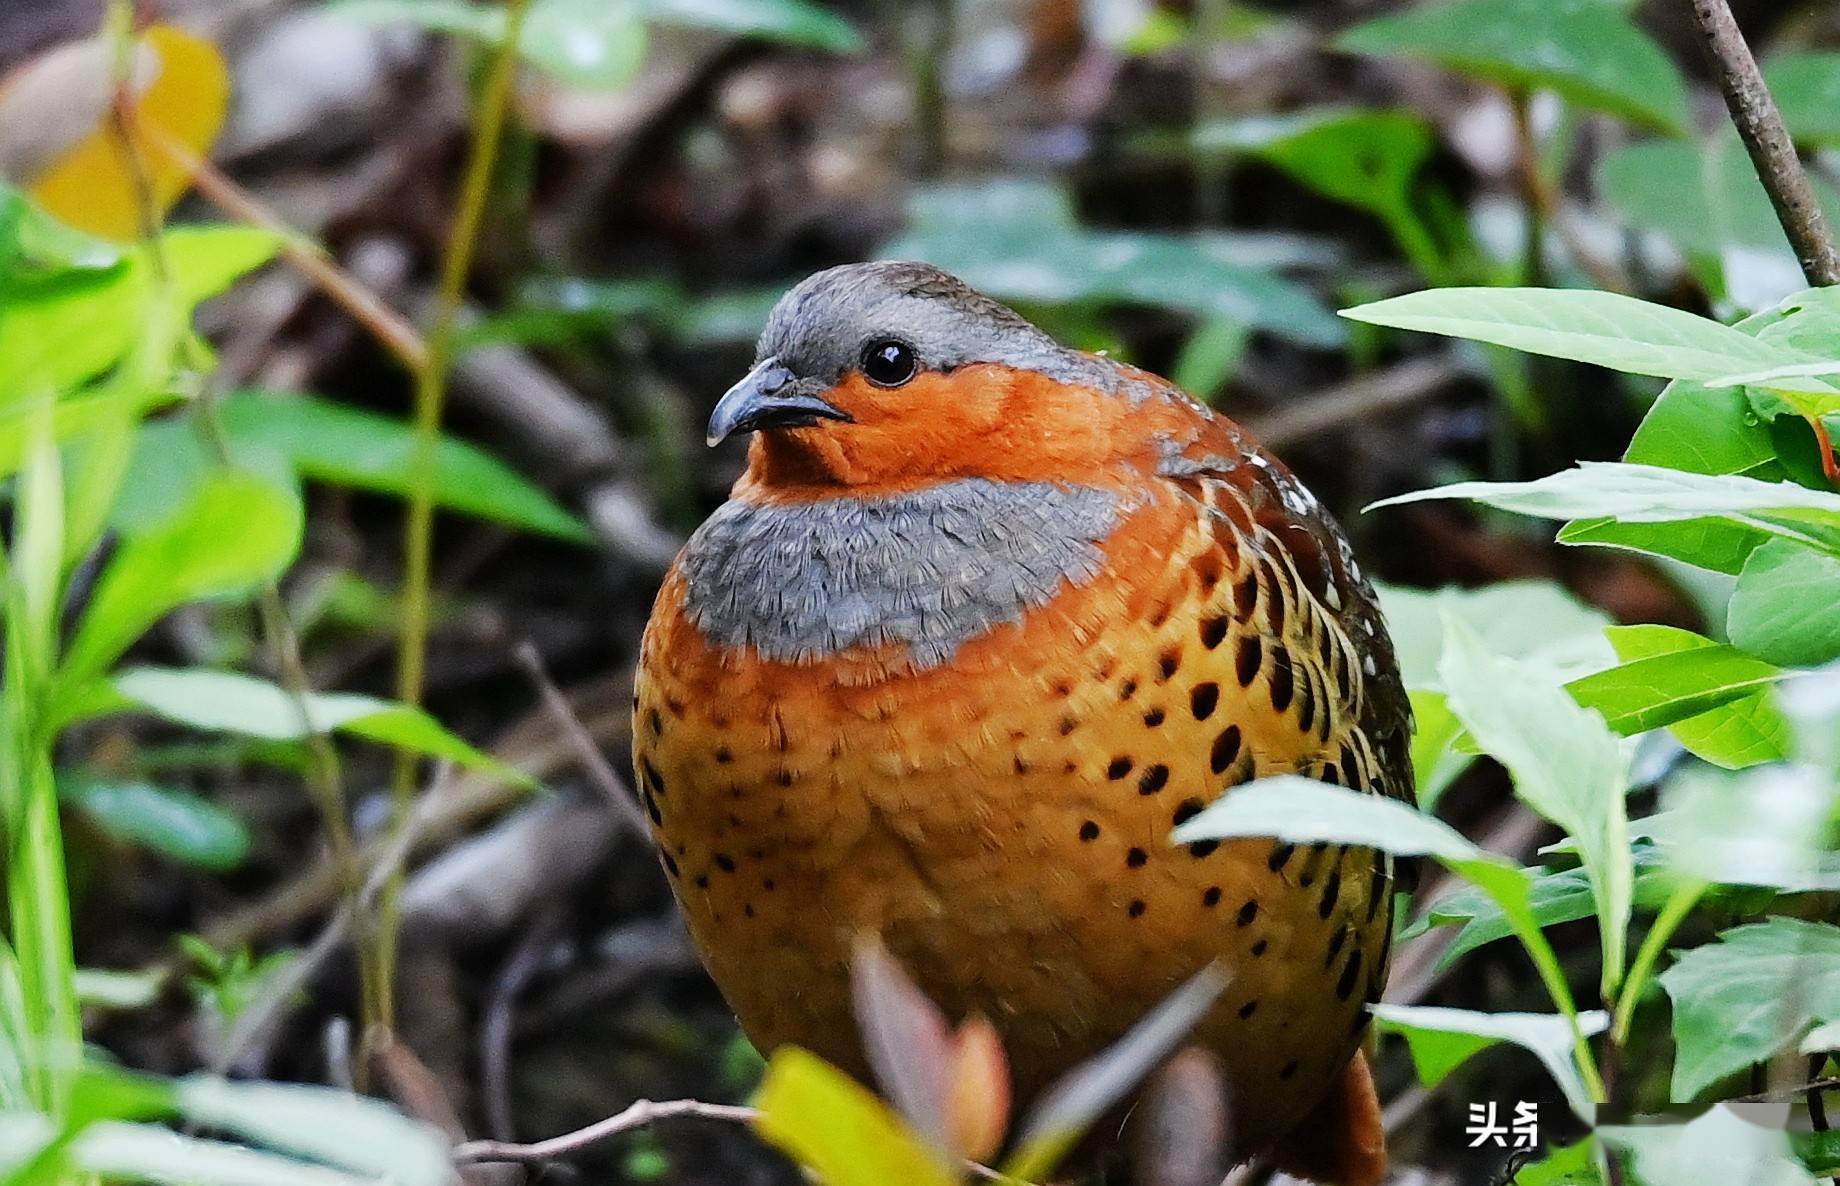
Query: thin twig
[
  {"x": 1356, "y": 399},
  {"x": 640, "y": 1115},
  {"x": 593, "y": 760},
  {"x": 384, "y": 324},
  {"x": 1753, "y": 110}
]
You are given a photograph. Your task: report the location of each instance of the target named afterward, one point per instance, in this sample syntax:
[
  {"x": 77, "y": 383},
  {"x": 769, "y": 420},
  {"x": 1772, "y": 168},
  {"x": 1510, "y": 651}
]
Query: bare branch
[
  {"x": 1754, "y": 111},
  {"x": 640, "y": 1115}
]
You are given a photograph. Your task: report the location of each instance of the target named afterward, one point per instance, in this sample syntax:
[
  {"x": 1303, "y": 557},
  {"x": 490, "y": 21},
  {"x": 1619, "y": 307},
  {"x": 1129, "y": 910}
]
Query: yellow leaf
[
  {"x": 837, "y": 1129},
  {"x": 93, "y": 186}
]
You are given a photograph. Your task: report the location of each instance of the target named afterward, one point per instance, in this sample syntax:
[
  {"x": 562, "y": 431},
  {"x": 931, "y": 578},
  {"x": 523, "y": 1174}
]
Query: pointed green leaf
[
  {"x": 837, "y": 1129},
  {"x": 1441, "y": 1040}
]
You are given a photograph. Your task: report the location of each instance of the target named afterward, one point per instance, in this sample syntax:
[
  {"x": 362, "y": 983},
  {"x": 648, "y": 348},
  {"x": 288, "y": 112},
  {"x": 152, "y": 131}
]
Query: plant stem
[
  {"x": 1753, "y": 110},
  {"x": 1553, "y": 977},
  {"x": 430, "y": 397},
  {"x": 1680, "y": 903}
]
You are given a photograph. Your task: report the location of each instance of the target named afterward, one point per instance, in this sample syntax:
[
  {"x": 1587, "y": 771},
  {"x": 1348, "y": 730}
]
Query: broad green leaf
[
  {"x": 1652, "y": 494},
  {"x": 1705, "y": 196},
  {"x": 330, "y": 442},
  {"x": 584, "y": 43},
  {"x": 335, "y": 1127},
  {"x": 1367, "y": 159},
  {"x": 1569, "y": 1165},
  {"x": 169, "y": 821},
  {"x": 837, "y": 1129},
  {"x": 1441, "y": 1040},
  {"x": 34, "y": 246},
  {"x": 1557, "y": 896},
  {"x": 1764, "y": 827},
  {"x": 790, "y": 22},
  {"x": 1604, "y": 328},
  {"x": 1523, "y": 619},
  {"x": 1566, "y": 765},
  {"x": 1706, "y": 431},
  {"x": 1806, "y": 87},
  {"x": 1586, "y": 50},
  {"x": 1759, "y": 989},
  {"x": 116, "y": 1150},
  {"x": 1786, "y": 607},
  {"x": 236, "y": 532},
  {"x": 1017, "y": 241},
  {"x": 1437, "y": 761},
  {"x": 1209, "y": 358},
  {"x": 1719, "y": 1148},
  {"x": 221, "y": 701},
  {"x": 68, "y": 330},
  {"x": 1303, "y": 811},
  {"x": 1661, "y": 689},
  {"x": 1744, "y": 732}
]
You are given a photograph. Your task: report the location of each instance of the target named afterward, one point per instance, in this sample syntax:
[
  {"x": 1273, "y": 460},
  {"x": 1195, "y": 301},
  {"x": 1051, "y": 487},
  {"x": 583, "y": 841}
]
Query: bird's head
[{"x": 897, "y": 374}]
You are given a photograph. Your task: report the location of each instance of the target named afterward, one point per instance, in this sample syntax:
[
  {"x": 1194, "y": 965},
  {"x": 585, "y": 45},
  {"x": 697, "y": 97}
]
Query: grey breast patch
[{"x": 930, "y": 570}]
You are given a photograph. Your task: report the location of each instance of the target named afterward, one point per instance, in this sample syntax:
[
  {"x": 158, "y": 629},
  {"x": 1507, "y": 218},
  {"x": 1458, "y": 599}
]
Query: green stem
[
  {"x": 430, "y": 398},
  {"x": 1680, "y": 903},
  {"x": 1553, "y": 977}
]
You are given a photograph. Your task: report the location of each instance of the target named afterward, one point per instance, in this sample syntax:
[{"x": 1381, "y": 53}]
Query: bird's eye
[{"x": 889, "y": 363}]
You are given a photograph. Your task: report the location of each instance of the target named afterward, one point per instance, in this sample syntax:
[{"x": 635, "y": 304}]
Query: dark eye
[{"x": 889, "y": 363}]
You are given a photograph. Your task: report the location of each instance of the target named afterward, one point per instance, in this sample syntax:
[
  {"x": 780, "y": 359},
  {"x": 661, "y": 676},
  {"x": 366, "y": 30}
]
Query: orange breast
[{"x": 1002, "y": 820}]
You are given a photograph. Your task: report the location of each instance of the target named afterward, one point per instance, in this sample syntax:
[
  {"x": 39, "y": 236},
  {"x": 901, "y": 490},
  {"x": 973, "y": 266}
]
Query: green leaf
[
  {"x": 330, "y": 442},
  {"x": 221, "y": 701},
  {"x": 598, "y": 44},
  {"x": 70, "y": 329},
  {"x": 172, "y": 822},
  {"x": 1657, "y": 690},
  {"x": 837, "y": 1129},
  {"x": 1017, "y": 241},
  {"x": 1706, "y": 431},
  {"x": 1603, "y": 328},
  {"x": 334, "y": 1127},
  {"x": 1704, "y": 195},
  {"x": 1209, "y": 358},
  {"x": 1786, "y": 607},
  {"x": 1566, "y": 765},
  {"x": 1441, "y": 1040},
  {"x": 1758, "y": 990},
  {"x": 1585, "y": 50},
  {"x": 235, "y": 533},
  {"x": 1436, "y": 759},
  {"x": 1743, "y": 732},
  {"x": 1569, "y": 1165},
  {"x": 1303, "y": 811},
  {"x": 1652, "y": 494},
  {"x": 1719, "y": 1148},
  {"x": 790, "y": 22},
  {"x": 1524, "y": 619},
  {"x": 1766, "y": 827},
  {"x": 1806, "y": 87},
  {"x": 1557, "y": 896},
  {"x": 1367, "y": 159}
]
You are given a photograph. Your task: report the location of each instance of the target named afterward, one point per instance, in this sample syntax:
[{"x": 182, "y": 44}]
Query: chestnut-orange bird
[{"x": 983, "y": 620}]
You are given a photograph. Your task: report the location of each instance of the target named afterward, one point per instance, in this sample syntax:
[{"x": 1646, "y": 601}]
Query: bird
[{"x": 983, "y": 619}]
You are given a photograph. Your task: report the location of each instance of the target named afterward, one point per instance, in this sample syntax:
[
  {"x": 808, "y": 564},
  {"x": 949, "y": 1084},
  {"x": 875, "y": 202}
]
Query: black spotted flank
[
  {"x": 1089, "y": 830},
  {"x": 1168, "y": 663},
  {"x": 1226, "y": 748},
  {"x": 1281, "y": 854},
  {"x": 1213, "y": 631},
  {"x": 1153, "y": 718},
  {"x": 1351, "y": 973},
  {"x": 1247, "y": 659},
  {"x": 654, "y": 779},
  {"x": 1187, "y": 810},
  {"x": 1154, "y": 779},
  {"x": 1246, "y": 595},
  {"x": 1203, "y": 699},
  {"x": 1127, "y": 689},
  {"x": 1136, "y": 858},
  {"x": 1283, "y": 681},
  {"x": 1248, "y": 1009},
  {"x": 1331, "y": 894},
  {"x": 1137, "y": 908},
  {"x": 670, "y": 863},
  {"x": 1247, "y": 913},
  {"x": 1211, "y": 897},
  {"x": 1118, "y": 768}
]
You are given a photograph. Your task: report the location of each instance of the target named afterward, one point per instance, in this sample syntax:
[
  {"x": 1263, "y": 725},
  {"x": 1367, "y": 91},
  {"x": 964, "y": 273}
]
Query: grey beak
[{"x": 767, "y": 397}]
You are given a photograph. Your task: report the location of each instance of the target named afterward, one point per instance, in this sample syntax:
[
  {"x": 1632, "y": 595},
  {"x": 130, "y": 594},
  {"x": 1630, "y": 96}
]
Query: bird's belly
[{"x": 1002, "y": 824}]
